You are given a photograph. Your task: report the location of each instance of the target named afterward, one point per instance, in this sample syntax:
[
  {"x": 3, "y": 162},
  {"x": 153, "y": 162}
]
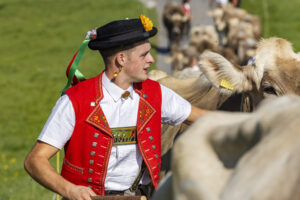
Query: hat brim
[{"x": 98, "y": 44}]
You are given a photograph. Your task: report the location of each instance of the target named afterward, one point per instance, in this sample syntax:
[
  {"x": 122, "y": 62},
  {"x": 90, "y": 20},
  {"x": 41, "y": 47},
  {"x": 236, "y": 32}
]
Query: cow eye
[{"x": 270, "y": 90}]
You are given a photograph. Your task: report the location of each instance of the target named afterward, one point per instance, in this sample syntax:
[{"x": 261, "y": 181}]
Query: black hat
[{"x": 122, "y": 32}]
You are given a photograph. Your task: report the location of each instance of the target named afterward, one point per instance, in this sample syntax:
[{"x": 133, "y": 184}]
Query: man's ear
[{"x": 121, "y": 58}]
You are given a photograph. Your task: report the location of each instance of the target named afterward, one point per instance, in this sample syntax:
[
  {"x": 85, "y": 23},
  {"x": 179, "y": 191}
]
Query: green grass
[
  {"x": 38, "y": 40},
  {"x": 279, "y": 18}
]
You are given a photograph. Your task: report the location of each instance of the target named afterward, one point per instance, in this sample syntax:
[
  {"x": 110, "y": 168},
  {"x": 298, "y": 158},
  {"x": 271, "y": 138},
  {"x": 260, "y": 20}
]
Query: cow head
[
  {"x": 204, "y": 37},
  {"x": 175, "y": 21},
  {"x": 178, "y": 20},
  {"x": 182, "y": 58},
  {"x": 275, "y": 70}
]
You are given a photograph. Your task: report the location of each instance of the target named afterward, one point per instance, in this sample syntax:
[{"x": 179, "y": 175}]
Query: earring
[{"x": 117, "y": 73}]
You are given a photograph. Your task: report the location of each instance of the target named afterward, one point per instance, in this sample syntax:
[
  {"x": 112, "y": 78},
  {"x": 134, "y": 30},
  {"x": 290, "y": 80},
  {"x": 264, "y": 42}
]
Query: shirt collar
[{"x": 113, "y": 90}]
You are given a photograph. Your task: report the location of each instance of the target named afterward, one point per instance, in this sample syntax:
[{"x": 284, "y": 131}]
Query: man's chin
[{"x": 141, "y": 79}]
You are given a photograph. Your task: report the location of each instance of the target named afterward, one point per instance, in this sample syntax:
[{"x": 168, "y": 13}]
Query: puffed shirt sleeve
[
  {"x": 60, "y": 124},
  {"x": 174, "y": 108}
]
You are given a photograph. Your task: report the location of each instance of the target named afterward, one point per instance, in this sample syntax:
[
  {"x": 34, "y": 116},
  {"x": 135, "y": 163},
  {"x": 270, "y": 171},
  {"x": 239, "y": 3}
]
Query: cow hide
[{"x": 268, "y": 170}]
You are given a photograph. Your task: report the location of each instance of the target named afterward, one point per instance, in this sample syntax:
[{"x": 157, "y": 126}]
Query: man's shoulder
[
  {"x": 84, "y": 85},
  {"x": 151, "y": 82}
]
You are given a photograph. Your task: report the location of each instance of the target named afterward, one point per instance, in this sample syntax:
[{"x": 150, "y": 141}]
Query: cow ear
[{"x": 222, "y": 73}]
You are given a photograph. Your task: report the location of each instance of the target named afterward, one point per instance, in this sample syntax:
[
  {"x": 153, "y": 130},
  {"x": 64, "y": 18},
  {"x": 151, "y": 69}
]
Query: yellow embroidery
[{"x": 123, "y": 136}]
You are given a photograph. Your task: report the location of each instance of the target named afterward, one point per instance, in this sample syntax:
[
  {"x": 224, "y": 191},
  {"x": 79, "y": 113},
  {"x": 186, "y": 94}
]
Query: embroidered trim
[
  {"x": 98, "y": 119},
  {"x": 123, "y": 136},
  {"x": 145, "y": 113},
  {"x": 102, "y": 189},
  {"x": 145, "y": 158},
  {"x": 99, "y": 88},
  {"x": 73, "y": 167}
]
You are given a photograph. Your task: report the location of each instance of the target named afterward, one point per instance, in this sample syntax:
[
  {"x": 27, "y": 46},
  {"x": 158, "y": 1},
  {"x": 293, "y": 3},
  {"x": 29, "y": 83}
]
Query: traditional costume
[{"x": 107, "y": 135}]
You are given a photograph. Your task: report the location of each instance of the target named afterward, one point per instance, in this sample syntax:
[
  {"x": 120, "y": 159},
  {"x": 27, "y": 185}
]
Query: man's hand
[
  {"x": 38, "y": 166},
  {"x": 80, "y": 193}
]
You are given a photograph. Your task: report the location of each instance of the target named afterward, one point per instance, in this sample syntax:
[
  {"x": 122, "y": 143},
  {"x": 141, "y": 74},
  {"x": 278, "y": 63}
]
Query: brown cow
[
  {"x": 206, "y": 38},
  {"x": 270, "y": 74},
  {"x": 175, "y": 22},
  {"x": 275, "y": 71},
  {"x": 183, "y": 58},
  {"x": 202, "y": 93},
  {"x": 269, "y": 170},
  {"x": 237, "y": 30}
]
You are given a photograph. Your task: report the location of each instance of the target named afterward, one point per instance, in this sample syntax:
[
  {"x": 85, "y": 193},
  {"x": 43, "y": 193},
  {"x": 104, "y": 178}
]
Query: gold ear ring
[{"x": 117, "y": 73}]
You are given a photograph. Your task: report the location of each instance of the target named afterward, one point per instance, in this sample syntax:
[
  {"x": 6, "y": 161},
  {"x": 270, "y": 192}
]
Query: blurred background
[{"x": 38, "y": 40}]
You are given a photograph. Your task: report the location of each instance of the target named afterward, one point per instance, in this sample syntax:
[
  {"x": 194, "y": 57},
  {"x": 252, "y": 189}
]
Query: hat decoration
[
  {"x": 111, "y": 35},
  {"x": 73, "y": 74},
  {"x": 147, "y": 23},
  {"x": 123, "y": 32}
]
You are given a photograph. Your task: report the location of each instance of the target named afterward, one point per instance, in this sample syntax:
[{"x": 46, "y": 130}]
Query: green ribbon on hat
[{"x": 73, "y": 69}]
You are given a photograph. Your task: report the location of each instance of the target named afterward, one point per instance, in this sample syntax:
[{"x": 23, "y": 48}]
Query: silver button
[
  {"x": 151, "y": 138},
  {"x": 153, "y": 147},
  {"x": 96, "y": 135},
  {"x": 157, "y": 164},
  {"x": 148, "y": 129},
  {"x": 90, "y": 180},
  {"x": 156, "y": 155},
  {"x": 93, "y": 153},
  {"x": 94, "y": 144},
  {"x": 90, "y": 170},
  {"x": 90, "y": 186},
  {"x": 91, "y": 162},
  {"x": 145, "y": 96}
]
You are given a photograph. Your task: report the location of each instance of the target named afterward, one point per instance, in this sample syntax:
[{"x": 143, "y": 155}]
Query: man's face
[{"x": 138, "y": 62}]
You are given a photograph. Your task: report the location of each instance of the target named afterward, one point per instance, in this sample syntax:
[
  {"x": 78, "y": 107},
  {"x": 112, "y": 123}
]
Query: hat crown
[
  {"x": 120, "y": 32},
  {"x": 119, "y": 27}
]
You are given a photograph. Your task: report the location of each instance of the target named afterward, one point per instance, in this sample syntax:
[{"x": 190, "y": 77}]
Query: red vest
[{"x": 88, "y": 151}]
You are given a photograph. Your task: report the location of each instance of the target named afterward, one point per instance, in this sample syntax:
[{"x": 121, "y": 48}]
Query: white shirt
[
  {"x": 125, "y": 160},
  {"x": 187, "y": 6}
]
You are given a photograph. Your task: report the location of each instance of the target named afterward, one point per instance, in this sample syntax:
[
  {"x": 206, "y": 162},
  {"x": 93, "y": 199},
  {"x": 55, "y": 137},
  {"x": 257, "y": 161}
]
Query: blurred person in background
[
  {"x": 220, "y": 3},
  {"x": 187, "y": 10}
]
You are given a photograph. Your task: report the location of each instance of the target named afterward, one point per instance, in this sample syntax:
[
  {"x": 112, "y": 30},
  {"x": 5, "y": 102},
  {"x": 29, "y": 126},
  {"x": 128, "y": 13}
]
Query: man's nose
[{"x": 150, "y": 59}]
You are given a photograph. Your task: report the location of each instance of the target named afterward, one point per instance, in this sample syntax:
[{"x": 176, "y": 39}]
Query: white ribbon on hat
[{"x": 91, "y": 34}]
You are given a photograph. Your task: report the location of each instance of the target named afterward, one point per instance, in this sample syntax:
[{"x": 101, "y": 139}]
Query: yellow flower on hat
[{"x": 147, "y": 23}]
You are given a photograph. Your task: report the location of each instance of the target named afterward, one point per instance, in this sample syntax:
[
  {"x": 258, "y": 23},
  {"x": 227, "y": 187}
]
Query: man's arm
[
  {"x": 195, "y": 114},
  {"x": 38, "y": 166}
]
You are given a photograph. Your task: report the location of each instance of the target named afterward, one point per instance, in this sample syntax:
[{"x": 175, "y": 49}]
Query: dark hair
[{"x": 108, "y": 53}]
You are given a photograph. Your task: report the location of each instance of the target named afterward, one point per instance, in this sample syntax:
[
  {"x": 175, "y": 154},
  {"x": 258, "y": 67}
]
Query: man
[
  {"x": 187, "y": 10},
  {"x": 109, "y": 125}
]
